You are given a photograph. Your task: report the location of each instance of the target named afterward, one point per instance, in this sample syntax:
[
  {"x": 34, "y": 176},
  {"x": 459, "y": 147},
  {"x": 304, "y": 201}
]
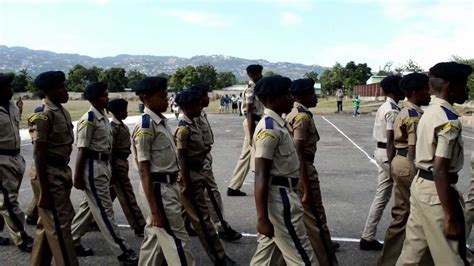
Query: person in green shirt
[{"x": 356, "y": 105}]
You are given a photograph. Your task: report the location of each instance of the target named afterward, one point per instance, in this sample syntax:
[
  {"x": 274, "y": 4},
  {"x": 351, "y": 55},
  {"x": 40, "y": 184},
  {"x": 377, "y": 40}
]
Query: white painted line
[
  {"x": 123, "y": 225},
  {"x": 339, "y": 239},
  {"x": 355, "y": 144},
  {"x": 467, "y": 137}
]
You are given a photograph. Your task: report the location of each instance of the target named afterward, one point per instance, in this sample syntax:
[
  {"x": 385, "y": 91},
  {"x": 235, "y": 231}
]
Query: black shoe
[
  {"x": 128, "y": 258},
  {"x": 81, "y": 251},
  {"x": 140, "y": 231},
  {"x": 229, "y": 234},
  {"x": 370, "y": 245},
  {"x": 190, "y": 230},
  {"x": 31, "y": 220},
  {"x": 26, "y": 245},
  {"x": 226, "y": 261},
  {"x": 235, "y": 193},
  {"x": 4, "y": 241},
  {"x": 335, "y": 246}
]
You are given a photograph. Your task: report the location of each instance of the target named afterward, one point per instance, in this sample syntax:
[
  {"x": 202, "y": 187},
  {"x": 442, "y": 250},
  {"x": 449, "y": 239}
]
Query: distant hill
[{"x": 37, "y": 61}]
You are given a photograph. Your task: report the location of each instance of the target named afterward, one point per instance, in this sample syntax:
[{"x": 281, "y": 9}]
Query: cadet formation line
[{"x": 418, "y": 155}]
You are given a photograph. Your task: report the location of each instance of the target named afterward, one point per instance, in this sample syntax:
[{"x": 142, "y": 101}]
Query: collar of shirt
[
  {"x": 275, "y": 116},
  {"x": 390, "y": 100},
  {"x": 158, "y": 118},
  {"x": 189, "y": 121},
  {"x": 97, "y": 114},
  {"x": 50, "y": 104},
  {"x": 297, "y": 104},
  {"x": 116, "y": 120},
  {"x": 409, "y": 104},
  {"x": 203, "y": 114},
  {"x": 444, "y": 103}
]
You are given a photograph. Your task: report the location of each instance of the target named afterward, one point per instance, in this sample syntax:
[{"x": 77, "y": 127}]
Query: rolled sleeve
[
  {"x": 300, "y": 126},
  {"x": 182, "y": 137},
  {"x": 411, "y": 125},
  {"x": 390, "y": 119},
  {"x": 143, "y": 140},
  {"x": 266, "y": 142},
  {"x": 39, "y": 127},
  {"x": 447, "y": 135},
  {"x": 85, "y": 129}
]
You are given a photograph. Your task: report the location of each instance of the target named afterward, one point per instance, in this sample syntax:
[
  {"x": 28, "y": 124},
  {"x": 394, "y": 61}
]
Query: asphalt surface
[{"x": 348, "y": 181}]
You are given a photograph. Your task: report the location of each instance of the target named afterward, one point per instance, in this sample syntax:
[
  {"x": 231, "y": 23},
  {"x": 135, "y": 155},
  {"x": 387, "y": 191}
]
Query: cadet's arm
[
  {"x": 45, "y": 200},
  {"x": 250, "y": 122},
  {"x": 144, "y": 169},
  {"x": 79, "y": 181},
  {"x": 304, "y": 176},
  {"x": 184, "y": 168},
  {"x": 390, "y": 146},
  {"x": 452, "y": 227},
  {"x": 262, "y": 178},
  {"x": 411, "y": 156}
]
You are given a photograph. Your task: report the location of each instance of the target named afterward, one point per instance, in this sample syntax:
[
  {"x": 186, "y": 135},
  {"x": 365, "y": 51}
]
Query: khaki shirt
[
  {"x": 205, "y": 128},
  {"x": 9, "y": 124},
  {"x": 121, "y": 136},
  {"x": 273, "y": 142},
  {"x": 189, "y": 136},
  {"x": 405, "y": 125},
  {"x": 250, "y": 97},
  {"x": 152, "y": 141},
  {"x": 52, "y": 124},
  {"x": 301, "y": 125},
  {"x": 384, "y": 120},
  {"x": 94, "y": 132},
  {"x": 439, "y": 134}
]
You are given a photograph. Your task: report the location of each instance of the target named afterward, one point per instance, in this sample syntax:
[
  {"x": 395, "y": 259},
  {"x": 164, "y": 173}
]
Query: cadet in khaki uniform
[
  {"x": 305, "y": 135},
  {"x": 470, "y": 200},
  {"x": 120, "y": 186},
  {"x": 217, "y": 212},
  {"x": 416, "y": 89},
  {"x": 52, "y": 134},
  {"x": 192, "y": 153},
  {"x": 92, "y": 174},
  {"x": 12, "y": 167},
  {"x": 436, "y": 218},
  {"x": 279, "y": 209},
  {"x": 155, "y": 154},
  {"x": 253, "y": 111},
  {"x": 383, "y": 136}
]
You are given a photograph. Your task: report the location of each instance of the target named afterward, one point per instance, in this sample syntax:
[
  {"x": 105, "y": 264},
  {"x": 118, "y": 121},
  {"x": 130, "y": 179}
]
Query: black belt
[
  {"x": 99, "y": 156},
  {"x": 6, "y": 152},
  {"x": 428, "y": 175},
  {"x": 121, "y": 155},
  {"x": 381, "y": 145},
  {"x": 402, "y": 152},
  {"x": 284, "y": 181},
  {"x": 56, "y": 161},
  {"x": 195, "y": 165},
  {"x": 309, "y": 157},
  {"x": 163, "y": 178}
]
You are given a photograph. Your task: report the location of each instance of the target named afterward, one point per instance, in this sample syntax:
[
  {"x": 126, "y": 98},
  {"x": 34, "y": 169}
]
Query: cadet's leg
[
  {"x": 470, "y": 200},
  {"x": 41, "y": 253},
  {"x": 32, "y": 210},
  {"x": 243, "y": 165},
  {"x": 265, "y": 251},
  {"x": 81, "y": 221},
  {"x": 214, "y": 198}
]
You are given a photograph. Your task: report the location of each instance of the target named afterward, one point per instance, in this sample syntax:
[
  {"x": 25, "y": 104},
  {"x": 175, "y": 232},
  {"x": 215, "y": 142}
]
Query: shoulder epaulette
[
  {"x": 450, "y": 114},
  {"x": 412, "y": 113},
  {"x": 268, "y": 122},
  {"x": 394, "y": 107},
  {"x": 302, "y": 110},
  {"x": 90, "y": 116},
  {"x": 145, "y": 121},
  {"x": 39, "y": 109},
  {"x": 182, "y": 123}
]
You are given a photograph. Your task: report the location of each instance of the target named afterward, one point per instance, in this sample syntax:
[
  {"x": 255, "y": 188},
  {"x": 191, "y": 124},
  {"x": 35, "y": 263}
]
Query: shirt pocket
[{"x": 286, "y": 149}]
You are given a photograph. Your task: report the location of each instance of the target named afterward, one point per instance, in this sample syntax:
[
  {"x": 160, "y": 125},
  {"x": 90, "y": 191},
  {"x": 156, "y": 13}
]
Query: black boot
[{"x": 81, "y": 251}]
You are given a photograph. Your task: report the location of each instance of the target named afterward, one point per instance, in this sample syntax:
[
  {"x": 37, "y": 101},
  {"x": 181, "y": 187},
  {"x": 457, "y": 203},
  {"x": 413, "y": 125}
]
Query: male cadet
[
  {"x": 92, "y": 174},
  {"x": 155, "y": 154},
  {"x": 120, "y": 186},
  {"x": 470, "y": 200},
  {"x": 52, "y": 134},
  {"x": 383, "y": 135},
  {"x": 192, "y": 153},
  {"x": 12, "y": 167},
  {"x": 279, "y": 210},
  {"x": 305, "y": 136},
  {"x": 436, "y": 211},
  {"x": 253, "y": 111},
  {"x": 416, "y": 89},
  {"x": 217, "y": 214}
]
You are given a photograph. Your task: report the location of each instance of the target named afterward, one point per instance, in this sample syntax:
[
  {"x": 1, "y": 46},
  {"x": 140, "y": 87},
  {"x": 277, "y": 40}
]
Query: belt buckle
[
  {"x": 168, "y": 179},
  {"x": 99, "y": 156}
]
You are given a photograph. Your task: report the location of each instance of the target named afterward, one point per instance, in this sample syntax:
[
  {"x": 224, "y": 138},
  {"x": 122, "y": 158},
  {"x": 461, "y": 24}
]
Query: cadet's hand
[
  {"x": 307, "y": 198},
  {"x": 186, "y": 189},
  {"x": 452, "y": 229},
  {"x": 413, "y": 169},
  {"x": 79, "y": 182},
  {"x": 265, "y": 227},
  {"x": 157, "y": 221},
  {"x": 45, "y": 202}
]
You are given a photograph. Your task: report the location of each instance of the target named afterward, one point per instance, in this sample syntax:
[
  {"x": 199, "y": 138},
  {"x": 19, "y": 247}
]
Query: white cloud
[
  {"x": 290, "y": 19},
  {"x": 197, "y": 17}
]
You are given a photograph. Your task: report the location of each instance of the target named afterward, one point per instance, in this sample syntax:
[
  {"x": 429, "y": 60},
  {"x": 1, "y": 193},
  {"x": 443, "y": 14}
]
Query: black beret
[
  {"x": 254, "y": 69},
  {"x": 451, "y": 71},
  {"x": 414, "y": 82},
  {"x": 188, "y": 97},
  {"x": 202, "y": 88},
  {"x": 391, "y": 84},
  {"x": 95, "y": 90},
  {"x": 117, "y": 105},
  {"x": 302, "y": 86},
  {"x": 49, "y": 80},
  {"x": 6, "y": 80},
  {"x": 275, "y": 85},
  {"x": 150, "y": 85}
]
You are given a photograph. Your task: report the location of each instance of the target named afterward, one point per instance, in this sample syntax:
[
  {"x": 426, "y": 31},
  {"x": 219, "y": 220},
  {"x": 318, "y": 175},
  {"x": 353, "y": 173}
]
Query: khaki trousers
[
  {"x": 382, "y": 195},
  {"x": 213, "y": 197},
  {"x": 315, "y": 221},
  {"x": 11, "y": 175},
  {"x": 286, "y": 214},
  {"x": 97, "y": 205},
  {"x": 243, "y": 164},
  {"x": 32, "y": 210},
  {"x": 170, "y": 243},
  {"x": 53, "y": 233},
  {"x": 121, "y": 188},
  {"x": 425, "y": 228},
  {"x": 470, "y": 200}
]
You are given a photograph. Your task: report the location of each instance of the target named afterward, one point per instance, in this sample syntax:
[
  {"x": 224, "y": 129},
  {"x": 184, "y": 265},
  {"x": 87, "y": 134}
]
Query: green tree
[
  {"x": 409, "y": 66},
  {"x": 79, "y": 76},
  {"x": 22, "y": 81},
  {"x": 207, "y": 74},
  {"x": 134, "y": 76},
  {"x": 115, "y": 79},
  {"x": 225, "y": 79},
  {"x": 164, "y": 75},
  {"x": 184, "y": 76},
  {"x": 470, "y": 81},
  {"x": 312, "y": 75},
  {"x": 386, "y": 70},
  {"x": 331, "y": 79},
  {"x": 268, "y": 73}
]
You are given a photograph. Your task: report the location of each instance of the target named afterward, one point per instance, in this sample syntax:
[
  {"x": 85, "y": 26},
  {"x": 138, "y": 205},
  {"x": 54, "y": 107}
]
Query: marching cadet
[
  {"x": 120, "y": 186},
  {"x": 253, "y": 111},
  {"x": 92, "y": 174},
  {"x": 52, "y": 134},
  {"x": 279, "y": 209},
  {"x": 155, "y": 154},
  {"x": 470, "y": 200},
  {"x": 12, "y": 167},
  {"x": 436, "y": 220},
  {"x": 305, "y": 136},
  {"x": 217, "y": 214},
  {"x": 403, "y": 170},
  {"x": 192, "y": 153},
  {"x": 383, "y": 136}
]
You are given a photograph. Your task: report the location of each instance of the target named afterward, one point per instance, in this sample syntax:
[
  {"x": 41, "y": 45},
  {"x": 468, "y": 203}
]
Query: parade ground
[{"x": 347, "y": 175}]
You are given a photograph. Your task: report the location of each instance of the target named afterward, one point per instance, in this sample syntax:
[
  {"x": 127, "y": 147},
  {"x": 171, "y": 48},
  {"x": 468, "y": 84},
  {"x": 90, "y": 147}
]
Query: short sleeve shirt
[
  {"x": 94, "y": 132},
  {"x": 52, "y": 124},
  {"x": 301, "y": 126},
  {"x": 205, "y": 127},
  {"x": 439, "y": 134},
  {"x": 188, "y": 136},
  {"x": 152, "y": 141},
  {"x": 273, "y": 141},
  {"x": 121, "y": 136},
  {"x": 405, "y": 125},
  {"x": 9, "y": 123},
  {"x": 384, "y": 119},
  {"x": 251, "y": 98}
]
